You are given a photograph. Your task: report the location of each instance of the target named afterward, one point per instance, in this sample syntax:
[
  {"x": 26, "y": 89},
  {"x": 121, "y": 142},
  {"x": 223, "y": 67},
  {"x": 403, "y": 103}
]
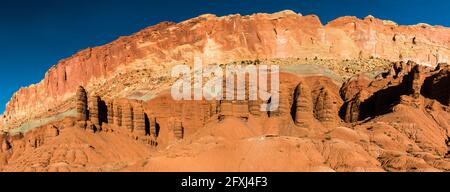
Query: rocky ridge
[
  {"x": 223, "y": 40},
  {"x": 376, "y": 115}
]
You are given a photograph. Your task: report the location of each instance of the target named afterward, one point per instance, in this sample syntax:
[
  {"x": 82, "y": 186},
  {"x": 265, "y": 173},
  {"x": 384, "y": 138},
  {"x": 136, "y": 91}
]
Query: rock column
[
  {"x": 284, "y": 102},
  {"x": 117, "y": 118},
  {"x": 153, "y": 131},
  {"x": 353, "y": 109},
  {"x": 303, "y": 106},
  {"x": 81, "y": 104},
  {"x": 94, "y": 114},
  {"x": 324, "y": 107},
  {"x": 110, "y": 111},
  {"x": 416, "y": 85},
  {"x": 178, "y": 129},
  {"x": 139, "y": 120},
  {"x": 127, "y": 117}
]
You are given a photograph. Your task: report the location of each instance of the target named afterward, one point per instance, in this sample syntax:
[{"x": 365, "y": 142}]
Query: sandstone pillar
[
  {"x": 117, "y": 115},
  {"x": 303, "y": 106},
  {"x": 324, "y": 107},
  {"x": 110, "y": 111},
  {"x": 255, "y": 107},
  {"x": 139, "y": 120},
  {"x": 153, "y": 128},
  {"x": 81, "y": 104},
  {"x": 352, "y": 112},
  {"x": 240, "y": 109},
  {"x": 416, "y": 85},
  {"x": 127, "y": 117},
  {"x": 284, "y": 104},
  {"x": 226, "y": 109},
  {"x": 178, "y": 129},
  {"x": 94, "y": 114}
]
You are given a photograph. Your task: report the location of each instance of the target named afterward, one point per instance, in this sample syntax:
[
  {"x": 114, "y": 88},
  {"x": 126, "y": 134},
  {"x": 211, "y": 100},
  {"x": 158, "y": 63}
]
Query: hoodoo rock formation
[
  {"x": 117, "y": 114},
  {"x": 82, "y": 106},
  {"x": 127, "y": 117},
  {"x": 303, "y": 105},
  {"x": 139, "y": 120},
  {"x": 324, "y": 107},
  {"x": 391, "y": 113},
  {"x": 110, "y": 107},
  {"x": 94, "y": 112}
]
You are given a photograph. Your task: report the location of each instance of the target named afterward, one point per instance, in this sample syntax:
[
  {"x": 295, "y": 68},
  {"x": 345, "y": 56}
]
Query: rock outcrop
[
  {"x": 285, "y": 101},
  {"x": 139, "y": 120},
  {"x": 81, "y": 104},
  {"x": 127, "y": 117},
  {"x": 226, "y": 109},
  {"x": 110, "y": 107},
  {"x": 234, "y": 38},
  {"x": 437, "y": 86},
  {"x": 240, "y": 109},
  {"x": 352, "y": 109},
  {"x": 406, "y": 83},
  {"x": 324, "y": 107},
  {"x": 117, "y": 115},
  {"x": 94, "y": 112},
  {"x": 395, "y": 120},
  {"x": 303, "y": 105},
  {"x": 123, "y": 115},
  {"x": 3, "y": 143},
  {"x": 154, "y": 128},
  {"x": 177, "y": 127}
]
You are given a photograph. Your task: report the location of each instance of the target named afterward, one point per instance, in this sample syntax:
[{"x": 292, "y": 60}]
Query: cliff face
[
  {"x": 399, "y": 121},
  {"x": 226, "y": 39}
]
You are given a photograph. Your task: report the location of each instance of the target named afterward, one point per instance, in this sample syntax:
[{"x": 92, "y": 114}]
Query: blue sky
[{"x": 35, "y": 35}]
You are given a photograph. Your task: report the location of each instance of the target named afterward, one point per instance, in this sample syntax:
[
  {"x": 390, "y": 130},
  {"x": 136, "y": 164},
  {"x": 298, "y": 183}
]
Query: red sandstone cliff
[{"x": 231, "y": 38}]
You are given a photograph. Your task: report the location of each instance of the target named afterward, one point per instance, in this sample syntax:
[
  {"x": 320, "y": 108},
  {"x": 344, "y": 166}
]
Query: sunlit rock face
[{"x": 222, "y": 40}]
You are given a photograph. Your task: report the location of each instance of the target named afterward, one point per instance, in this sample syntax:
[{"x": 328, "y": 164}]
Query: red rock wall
[{"x": 230, "y": 38}]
